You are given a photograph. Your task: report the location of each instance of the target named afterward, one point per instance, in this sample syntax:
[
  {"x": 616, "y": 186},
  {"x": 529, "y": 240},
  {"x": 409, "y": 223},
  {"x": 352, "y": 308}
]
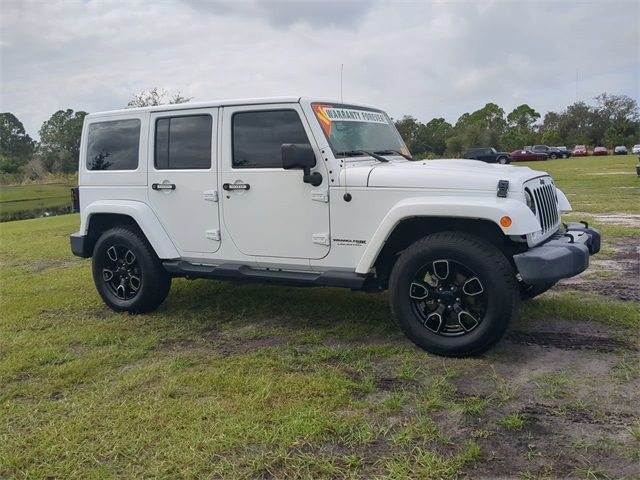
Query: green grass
[
  {"x": 24, "y": 201},
  {"x": 596, "y": 185},
  {"x": 245, "y": 381}
]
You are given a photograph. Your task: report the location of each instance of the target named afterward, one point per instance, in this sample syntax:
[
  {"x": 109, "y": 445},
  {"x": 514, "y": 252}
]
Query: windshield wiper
[
  {"x": 388, "y": 152},
  {"x": 353, "y": 153}
]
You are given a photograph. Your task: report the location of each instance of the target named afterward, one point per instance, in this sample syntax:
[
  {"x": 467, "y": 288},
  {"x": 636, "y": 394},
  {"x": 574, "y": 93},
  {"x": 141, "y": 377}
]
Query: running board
[{"x": 182, "y": 268}]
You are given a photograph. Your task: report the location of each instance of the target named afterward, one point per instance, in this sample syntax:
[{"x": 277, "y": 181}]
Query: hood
[{"x": 437, "y": 174}]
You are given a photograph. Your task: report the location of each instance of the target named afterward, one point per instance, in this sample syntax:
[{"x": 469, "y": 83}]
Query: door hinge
[
  {"x": 211, "y": 195},
  {"x": 320, "y": 238},
  {"x": 213, "y": 234},
  {"x": 320, "y": 196}
]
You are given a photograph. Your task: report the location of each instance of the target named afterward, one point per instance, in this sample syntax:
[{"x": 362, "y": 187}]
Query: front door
[
  {"x": 269, "y": 211},
  {"x": 183, "y": 178}
]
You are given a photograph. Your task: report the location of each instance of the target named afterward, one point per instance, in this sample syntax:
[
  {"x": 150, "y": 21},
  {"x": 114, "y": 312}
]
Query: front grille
[{"x": 546, "y": 202}]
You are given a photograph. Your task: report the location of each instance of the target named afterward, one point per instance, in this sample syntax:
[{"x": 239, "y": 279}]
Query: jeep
[{"x": 303, "y": 192}]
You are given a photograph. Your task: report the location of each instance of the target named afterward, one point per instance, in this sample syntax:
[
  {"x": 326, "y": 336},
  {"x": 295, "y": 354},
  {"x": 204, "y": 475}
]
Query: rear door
[{"x": 183, "y": 178}]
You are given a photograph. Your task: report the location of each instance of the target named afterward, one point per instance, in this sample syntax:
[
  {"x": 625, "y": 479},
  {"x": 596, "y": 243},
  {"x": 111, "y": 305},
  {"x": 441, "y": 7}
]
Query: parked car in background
[
  {"x": 620, "y": 150},
  {"x": 580, "y": 151},
  {"x": 635, "y": 149},
  {"x": 564, "y": 152},
  {"x": 552, "y": 152},
  {"x": 527, "y": 156},
  {"x": 599, "y": 151},
  {"x": 487, "y": 154}
]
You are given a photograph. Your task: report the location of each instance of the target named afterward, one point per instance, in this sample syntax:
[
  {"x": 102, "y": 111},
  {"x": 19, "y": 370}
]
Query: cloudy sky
[{"x": 426, "y": 59}]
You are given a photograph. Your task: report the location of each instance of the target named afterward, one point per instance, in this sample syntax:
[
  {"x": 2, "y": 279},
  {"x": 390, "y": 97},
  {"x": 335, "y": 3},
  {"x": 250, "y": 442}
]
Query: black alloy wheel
[
  {"x": 127, "y": 273},
  {"x": 121, "y": 272},
  {"x": 448, "y": 298}
]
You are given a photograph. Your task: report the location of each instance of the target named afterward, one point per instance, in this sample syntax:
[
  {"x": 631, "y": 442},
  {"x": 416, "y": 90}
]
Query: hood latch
[{"x": 503, "y": 188}]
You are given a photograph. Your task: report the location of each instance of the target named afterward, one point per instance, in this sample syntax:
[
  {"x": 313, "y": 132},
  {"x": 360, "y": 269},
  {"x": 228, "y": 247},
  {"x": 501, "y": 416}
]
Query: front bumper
[{"x": 564, "y": 255}]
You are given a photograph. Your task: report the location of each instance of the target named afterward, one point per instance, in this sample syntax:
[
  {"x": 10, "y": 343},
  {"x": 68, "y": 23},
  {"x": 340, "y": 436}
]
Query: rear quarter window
[{"x": 113, "y": 145}]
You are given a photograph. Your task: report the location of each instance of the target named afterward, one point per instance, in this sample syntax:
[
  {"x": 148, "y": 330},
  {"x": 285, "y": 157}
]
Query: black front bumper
[{"x": 564, "y": 255}]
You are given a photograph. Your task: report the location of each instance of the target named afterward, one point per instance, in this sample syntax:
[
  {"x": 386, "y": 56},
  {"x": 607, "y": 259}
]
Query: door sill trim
[{"x": 182, "y": 268}]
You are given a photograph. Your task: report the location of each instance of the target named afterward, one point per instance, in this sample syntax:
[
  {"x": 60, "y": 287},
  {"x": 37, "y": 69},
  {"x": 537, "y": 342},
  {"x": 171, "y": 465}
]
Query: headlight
[{"x": 529, "y": 199}]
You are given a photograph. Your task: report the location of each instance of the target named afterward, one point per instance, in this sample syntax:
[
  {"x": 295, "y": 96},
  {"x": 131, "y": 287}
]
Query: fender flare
[
  {"x": 142, "y": 214},
  {"x": 492, "y": 209},
  {"x": 563, "y": 201}
]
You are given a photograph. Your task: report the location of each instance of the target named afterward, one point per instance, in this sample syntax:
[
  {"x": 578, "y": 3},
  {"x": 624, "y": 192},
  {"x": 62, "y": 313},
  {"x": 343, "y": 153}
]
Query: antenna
[
  {"x": 576, "y": 85},
  {"x": 341, "y": 71}
]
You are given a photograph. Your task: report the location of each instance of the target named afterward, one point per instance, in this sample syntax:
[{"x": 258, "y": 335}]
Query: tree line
[{"x": 611, "y": 120}]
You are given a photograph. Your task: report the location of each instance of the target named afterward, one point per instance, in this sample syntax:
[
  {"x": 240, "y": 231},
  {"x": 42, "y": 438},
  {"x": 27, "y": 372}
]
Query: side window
[
  {"x": 113, "y": 145},
  {"x": 258, "y": 137},
  {"x": 183, "y": 142}
]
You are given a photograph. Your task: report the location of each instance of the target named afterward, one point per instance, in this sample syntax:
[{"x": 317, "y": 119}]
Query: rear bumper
[
  {"x": 565, "y": 255},
  {"x": 79, "y": 245}
]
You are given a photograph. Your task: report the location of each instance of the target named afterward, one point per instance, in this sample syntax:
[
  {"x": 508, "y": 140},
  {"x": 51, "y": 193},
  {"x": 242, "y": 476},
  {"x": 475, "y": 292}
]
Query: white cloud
[{"x": 424, "y": 59}]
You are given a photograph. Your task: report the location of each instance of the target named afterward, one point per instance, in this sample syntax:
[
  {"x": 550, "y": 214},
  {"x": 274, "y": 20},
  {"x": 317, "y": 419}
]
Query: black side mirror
[{"x": 301, "y": 156}]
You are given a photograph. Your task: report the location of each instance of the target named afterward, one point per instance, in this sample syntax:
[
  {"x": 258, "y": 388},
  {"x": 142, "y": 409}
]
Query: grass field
[
  {"x": 228, "y": 381},
  {"x": 23, "y": 201}
]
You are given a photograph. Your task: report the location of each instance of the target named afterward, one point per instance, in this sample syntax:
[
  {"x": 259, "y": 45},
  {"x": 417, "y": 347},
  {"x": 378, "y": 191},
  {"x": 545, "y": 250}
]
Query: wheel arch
[
  {"x": 103, "y": 215},
  {"x": 409, "y": 221}
]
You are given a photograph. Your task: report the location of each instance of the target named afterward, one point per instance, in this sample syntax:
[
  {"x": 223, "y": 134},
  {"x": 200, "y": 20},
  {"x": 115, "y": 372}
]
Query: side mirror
[{"x": 301, "y": 156}]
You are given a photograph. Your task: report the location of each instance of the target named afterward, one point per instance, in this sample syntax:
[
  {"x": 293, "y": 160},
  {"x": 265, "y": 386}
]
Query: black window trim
[
  {"x": 113, "y": 120},
  {"x": 265, "y": 110},
  {"x": 186, "y": 114}
]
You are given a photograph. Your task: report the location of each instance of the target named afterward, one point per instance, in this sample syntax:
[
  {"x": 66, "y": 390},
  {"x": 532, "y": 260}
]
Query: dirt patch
[
  {"x": 567, "y": 340},
  {"x": 614, "y": 218},
  {"x": 222, "y": 343},
  {"x": 560, "y": 381},
  {"x": 617, "y": 277}
]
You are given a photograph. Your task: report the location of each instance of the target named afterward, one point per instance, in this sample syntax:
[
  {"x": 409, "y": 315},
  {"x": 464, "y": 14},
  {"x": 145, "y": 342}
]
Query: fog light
[{"x": 505, "y": 221}]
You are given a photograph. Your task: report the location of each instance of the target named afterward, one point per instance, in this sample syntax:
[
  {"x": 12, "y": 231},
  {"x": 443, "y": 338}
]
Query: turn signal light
[{"x": 505, "y": 221}]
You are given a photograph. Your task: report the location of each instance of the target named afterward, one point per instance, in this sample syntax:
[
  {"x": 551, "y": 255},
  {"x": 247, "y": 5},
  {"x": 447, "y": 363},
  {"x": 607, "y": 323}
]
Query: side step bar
[{"x": 181, "y": 268}]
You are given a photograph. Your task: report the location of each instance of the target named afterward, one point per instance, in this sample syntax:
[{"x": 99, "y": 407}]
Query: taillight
[{"x": 75, "y": 199}]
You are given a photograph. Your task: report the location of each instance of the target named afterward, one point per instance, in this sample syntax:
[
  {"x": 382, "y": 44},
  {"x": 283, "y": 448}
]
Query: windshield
[{"x": 351, "y": 130}]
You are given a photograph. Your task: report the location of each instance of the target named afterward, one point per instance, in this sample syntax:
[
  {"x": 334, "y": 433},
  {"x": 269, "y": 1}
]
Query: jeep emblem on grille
[{"x": 542, "y": 181}]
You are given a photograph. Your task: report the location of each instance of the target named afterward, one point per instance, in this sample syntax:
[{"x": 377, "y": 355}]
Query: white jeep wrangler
[{"x": 316, "y": 193}]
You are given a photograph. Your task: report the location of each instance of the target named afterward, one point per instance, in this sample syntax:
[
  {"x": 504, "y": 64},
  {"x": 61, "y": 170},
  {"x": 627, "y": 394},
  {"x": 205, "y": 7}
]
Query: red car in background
[
  {"x": 580, "y": 151},
  {"x": 527, "y": 156},
  {"x": 600, "y": 151}
]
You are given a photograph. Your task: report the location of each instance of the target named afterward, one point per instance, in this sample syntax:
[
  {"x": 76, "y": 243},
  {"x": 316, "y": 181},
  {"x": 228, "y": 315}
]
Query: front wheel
[
  {"x": 503, "y": 161},
  {"x": 127, "y": 273},
  {"x": 564, "y": 155},
  {"x": 553, "y": 156},
  {"x": 453, "y": 294}
]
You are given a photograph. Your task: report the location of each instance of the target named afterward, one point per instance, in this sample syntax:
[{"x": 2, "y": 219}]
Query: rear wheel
[
  {"x": 564, "y": 155},
  {"x": 453, "y": 294},
  {"x": 553, "y": 156},
  {"x": 127, "y": 273}
]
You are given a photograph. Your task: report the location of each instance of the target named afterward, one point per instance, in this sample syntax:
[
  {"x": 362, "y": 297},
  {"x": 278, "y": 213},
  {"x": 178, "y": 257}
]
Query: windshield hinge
[{"x": 503, "y": 188}]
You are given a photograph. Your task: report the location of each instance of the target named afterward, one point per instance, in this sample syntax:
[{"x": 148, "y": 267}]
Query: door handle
[
  {"x": 163, "y": 186},
  {"x": 236, "y": 186}
]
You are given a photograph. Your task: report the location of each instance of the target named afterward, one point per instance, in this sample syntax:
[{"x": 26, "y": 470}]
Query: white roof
[{"x": 214, "y": 103}]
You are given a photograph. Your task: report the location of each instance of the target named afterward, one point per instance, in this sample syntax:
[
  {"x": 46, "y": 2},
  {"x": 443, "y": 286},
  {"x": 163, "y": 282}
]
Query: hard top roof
[{"x": 216, "y": 103}]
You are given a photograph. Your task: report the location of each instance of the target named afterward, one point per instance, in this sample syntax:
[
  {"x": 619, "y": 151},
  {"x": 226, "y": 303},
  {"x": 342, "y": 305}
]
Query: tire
[
  {"x": 527, "y": 292},
  {"x": 128, "y": 274},
  {"x": 503, "y": 160},
  {"x": 468, "y": 258},
  {"x": 564, "y": 155},
  {"x": 553, "y": 156}
]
